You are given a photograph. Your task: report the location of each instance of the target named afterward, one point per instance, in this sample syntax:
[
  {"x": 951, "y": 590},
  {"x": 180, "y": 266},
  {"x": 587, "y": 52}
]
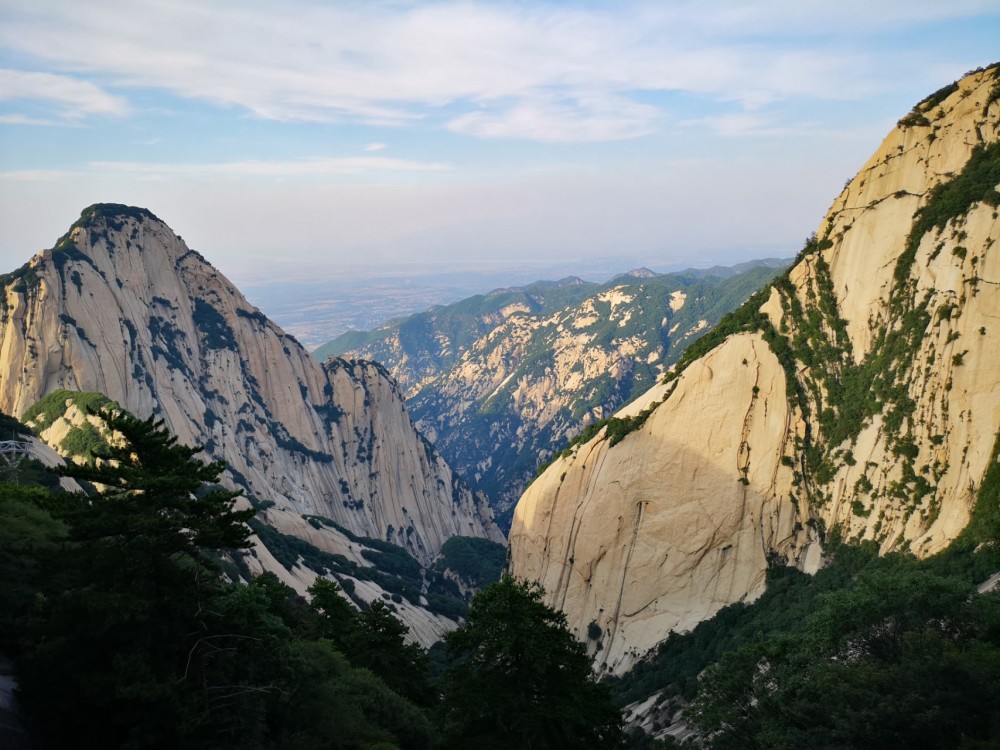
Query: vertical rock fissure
[{"x": 625, "y": 568}]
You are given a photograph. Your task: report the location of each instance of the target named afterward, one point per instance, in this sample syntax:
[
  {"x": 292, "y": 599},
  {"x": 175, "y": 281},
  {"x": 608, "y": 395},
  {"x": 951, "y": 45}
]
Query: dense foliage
[
  {"x": 476, "y": 561},
  {"x": 900, "y": 658},
  {"x": 521, "y": 680},
  {"x": 125, "y": 633},
  {"x": 51, "y": 407}
]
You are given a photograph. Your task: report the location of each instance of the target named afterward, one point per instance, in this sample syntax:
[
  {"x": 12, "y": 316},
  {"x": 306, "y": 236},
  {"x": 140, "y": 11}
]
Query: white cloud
[
  {"x": 19, "y": 119},
  {"x": 548, "y": 119},
  {"x": 375, "y": 147},
  {"x": 500, "y": 70},
  {"x": 313, "y": 167},
  {"x": 73, "y": 98},
  {"x": 750, "y": 124}
]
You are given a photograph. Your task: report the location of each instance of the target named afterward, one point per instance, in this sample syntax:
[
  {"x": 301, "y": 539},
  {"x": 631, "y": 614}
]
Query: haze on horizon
[{"x": 308, "y": 137}]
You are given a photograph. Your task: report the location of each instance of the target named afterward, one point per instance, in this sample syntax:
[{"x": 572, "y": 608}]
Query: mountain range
[{"x": 500, "y": 382}]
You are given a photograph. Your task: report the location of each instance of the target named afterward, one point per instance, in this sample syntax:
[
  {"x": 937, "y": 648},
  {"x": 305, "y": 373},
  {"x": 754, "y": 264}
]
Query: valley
[{"x": 501, "y": 382}]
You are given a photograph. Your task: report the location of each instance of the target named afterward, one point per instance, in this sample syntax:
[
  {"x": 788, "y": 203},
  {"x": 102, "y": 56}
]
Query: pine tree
[
  {"x": 519, "y": 679},
  {"x": 126, "y": 609}
]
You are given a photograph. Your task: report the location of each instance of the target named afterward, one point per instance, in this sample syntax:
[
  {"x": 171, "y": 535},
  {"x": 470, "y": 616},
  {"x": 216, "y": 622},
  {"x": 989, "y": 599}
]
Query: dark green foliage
[
  {"x": 929, "y": 102},
  {"x": 101, "y": 215},
  {"x": 394, "y": 561},
  {"x": 67, "y": 252},
  {"x": 477, "y": 561},
  {"x": 593, "y": 631},
  {"x": 450, "y": 605},
  {"x": 97, "y": 220},
  {"x": 255, "y": 315},
  {"x": 215, "y": 331},
  {"x": 975, "y": 554},
  {"x": 28, "y": 534},
  {"x": 901, "y": 658},
  {"x": 291, "y": 550},
  {"x": 397, "y": 571},
  {"x": 131, "y": 581},
  {"x": 914, "y": 119},
  {"x": 377, "y": 643},
  {"x": 994, "y": 94},
  {"x": 22, "y": 280},
  {"x": 814, "y": 350},
  {"x": 126, "y": 636},
  {"x": 746, "y": 318},
  {"x": 290, "y": 443},
  {"x": 617, "y": 429},
  {"x": 112, "y": 212},
  {"x": 870, "y": 652},
  {"x": 331, "y": 705},
  {"x": 949, "y": 200},
  {"x": 519, "y": 679},
  {"x": 10, "y": 428},
  {"x": 167, "y": 343}
]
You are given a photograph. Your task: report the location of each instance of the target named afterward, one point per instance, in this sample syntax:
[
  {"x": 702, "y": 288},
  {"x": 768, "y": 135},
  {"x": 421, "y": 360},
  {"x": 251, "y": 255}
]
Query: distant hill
[{"x": 501, "y": 381}]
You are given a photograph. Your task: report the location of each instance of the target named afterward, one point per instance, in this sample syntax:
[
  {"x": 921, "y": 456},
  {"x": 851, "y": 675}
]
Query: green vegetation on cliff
[{"x": 869, "y": 652}]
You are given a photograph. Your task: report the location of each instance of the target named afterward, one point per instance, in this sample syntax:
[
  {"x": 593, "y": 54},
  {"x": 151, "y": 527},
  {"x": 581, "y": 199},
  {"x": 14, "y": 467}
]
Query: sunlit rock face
[
  {"x": 861, "y": 391},
  {"x": 123, "y": 307},
  {"x": 500, "y": 382}
]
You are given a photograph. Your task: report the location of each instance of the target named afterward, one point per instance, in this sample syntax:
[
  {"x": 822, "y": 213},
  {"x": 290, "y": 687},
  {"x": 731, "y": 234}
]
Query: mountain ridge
[
  {"x": 501, "y": 381},
  {"x": 121, "y": 306},
  {"x": 858, "y": 391}
]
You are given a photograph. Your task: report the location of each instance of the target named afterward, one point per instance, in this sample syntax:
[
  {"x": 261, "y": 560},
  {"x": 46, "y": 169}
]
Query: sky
[{"x": 304, "y": 138}]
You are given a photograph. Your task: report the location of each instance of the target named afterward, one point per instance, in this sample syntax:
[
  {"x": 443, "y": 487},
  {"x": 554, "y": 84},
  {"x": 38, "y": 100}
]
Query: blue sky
[{"x": 302, "y": 138}]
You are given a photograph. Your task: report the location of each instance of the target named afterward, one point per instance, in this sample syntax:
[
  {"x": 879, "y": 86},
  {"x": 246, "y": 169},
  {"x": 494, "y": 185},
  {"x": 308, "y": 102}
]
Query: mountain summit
[
  {"x": 121, "y": 306},
  {"x": 859, "y": 392}
]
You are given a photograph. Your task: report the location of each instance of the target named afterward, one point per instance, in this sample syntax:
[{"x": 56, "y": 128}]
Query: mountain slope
[
  {"x": 121, "y": 306},
  {"x": 861, "y": 391},
  {"x": 500, "y": 382}
]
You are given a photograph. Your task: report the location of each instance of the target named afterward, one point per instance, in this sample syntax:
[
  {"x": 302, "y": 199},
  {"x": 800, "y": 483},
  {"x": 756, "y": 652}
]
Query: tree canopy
[
  {"x": 127, "y": 635},
  {"x": 519, "y": 679}
]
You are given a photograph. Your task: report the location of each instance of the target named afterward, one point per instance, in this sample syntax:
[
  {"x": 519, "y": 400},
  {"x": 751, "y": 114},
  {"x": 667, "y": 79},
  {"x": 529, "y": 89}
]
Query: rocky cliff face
[
  {"x": 501, "y": 382},
  {"x": 123, "y": 307},
  {"x": 860, "y": 391}
]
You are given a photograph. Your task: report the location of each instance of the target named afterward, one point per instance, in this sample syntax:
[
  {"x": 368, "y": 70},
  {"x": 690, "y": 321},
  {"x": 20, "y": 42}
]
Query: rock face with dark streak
[
  {"x": 123, "y": 307},
  {"x": 861, "y": 390}
]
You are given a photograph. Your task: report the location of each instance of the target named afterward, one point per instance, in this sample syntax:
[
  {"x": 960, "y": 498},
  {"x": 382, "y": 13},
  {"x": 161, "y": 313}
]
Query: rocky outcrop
[
  {"x": 501, "y": 382},
  {"x": 123, "y": 307},
  {"x": 860, "y": 391}
]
